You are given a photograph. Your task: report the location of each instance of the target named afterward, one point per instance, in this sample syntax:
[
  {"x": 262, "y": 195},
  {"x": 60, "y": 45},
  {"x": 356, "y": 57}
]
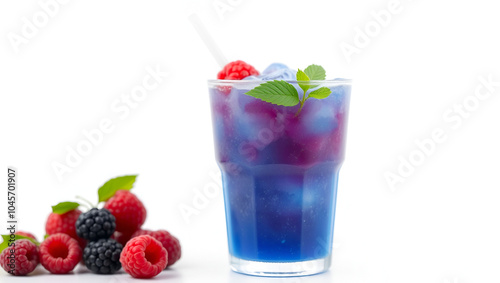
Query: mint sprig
[
  {"x": 280, "y": 92},
  {"x": 64, "y": 207},
  {"x": 276, "y": 92},
  {"x": 315, "y": 72},
  {"x": 303, "y": 77},
  {"x": 109, "y": 189},
  {"x": 320, "y": 93}
]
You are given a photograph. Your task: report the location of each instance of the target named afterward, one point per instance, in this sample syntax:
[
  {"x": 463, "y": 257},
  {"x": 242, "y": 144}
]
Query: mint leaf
[
  {"x": 6, "y": 238},
  {"x": 64, "y": 207},
  {"x": 285, "y": 94},
  {"x": 301, "y": 76},
  {"x": 119, "y": 183},
  {"x": 276, "y": 92},
  {"x": 315, "y": 72},
  {"x": 320, "y": 93}
]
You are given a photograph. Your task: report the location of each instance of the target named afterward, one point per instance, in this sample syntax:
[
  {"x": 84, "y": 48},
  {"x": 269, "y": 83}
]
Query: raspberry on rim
[{"x": 237, "y": 70}]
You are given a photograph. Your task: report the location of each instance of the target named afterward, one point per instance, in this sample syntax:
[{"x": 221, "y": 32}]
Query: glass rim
[{"x": 215, "y": 82}]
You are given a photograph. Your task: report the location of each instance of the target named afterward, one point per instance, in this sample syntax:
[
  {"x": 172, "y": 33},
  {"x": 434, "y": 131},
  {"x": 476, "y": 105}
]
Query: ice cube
[
  {"x": 252, "y": 78},
  {"x": 280, "y": 74},
  {"x": 274, "y": 67}
]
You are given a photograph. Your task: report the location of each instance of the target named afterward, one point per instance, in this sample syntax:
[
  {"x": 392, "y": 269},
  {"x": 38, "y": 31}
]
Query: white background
[{"x": 440, "y": 225}]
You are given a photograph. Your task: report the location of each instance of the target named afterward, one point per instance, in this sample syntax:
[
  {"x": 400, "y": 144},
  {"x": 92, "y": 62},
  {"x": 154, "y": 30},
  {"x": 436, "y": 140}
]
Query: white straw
[{"x": 208, "y": 40}]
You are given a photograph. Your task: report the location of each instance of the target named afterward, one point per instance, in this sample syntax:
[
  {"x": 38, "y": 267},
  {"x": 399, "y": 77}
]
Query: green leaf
[
  {"x": 276, "y": 92},
  {"x": 6, "y": 239},
  {"x": 64, "y": 207},
  {"x": 119, "y": 183},
  {"x": 315, "y": 72},
  {"x": 46, "y": 236},
  {"x": 301, "y": 76},
  {"x": 320, "y": 93}
]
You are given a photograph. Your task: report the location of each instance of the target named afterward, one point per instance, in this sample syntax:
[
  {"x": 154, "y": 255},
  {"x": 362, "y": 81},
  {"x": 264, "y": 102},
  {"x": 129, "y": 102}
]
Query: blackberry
[
  {"x": 103, "y": 256},
  {"x": 95, "y": 224}
]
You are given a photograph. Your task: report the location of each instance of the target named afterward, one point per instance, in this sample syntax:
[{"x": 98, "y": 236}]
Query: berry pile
[{"x": 105, "y": 238}]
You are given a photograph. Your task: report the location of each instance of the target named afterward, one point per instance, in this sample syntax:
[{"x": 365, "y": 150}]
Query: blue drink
[{"x": 279, "y": 174}]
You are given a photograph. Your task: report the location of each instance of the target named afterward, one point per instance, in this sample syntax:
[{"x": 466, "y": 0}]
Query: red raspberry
[
  {"x": 23, "y": 256},
  {"x": 26, "y": 234},
  {"x": 128, "y": 210},
  {"x": 169, "y": 242},
  {"x": 237, "y": 70},
  {"x": 121, "y": 237},
  {"x": 144, "y": 257},
  {"x": 64, "y": 223},
  {"x": 60, "y": 253}
]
